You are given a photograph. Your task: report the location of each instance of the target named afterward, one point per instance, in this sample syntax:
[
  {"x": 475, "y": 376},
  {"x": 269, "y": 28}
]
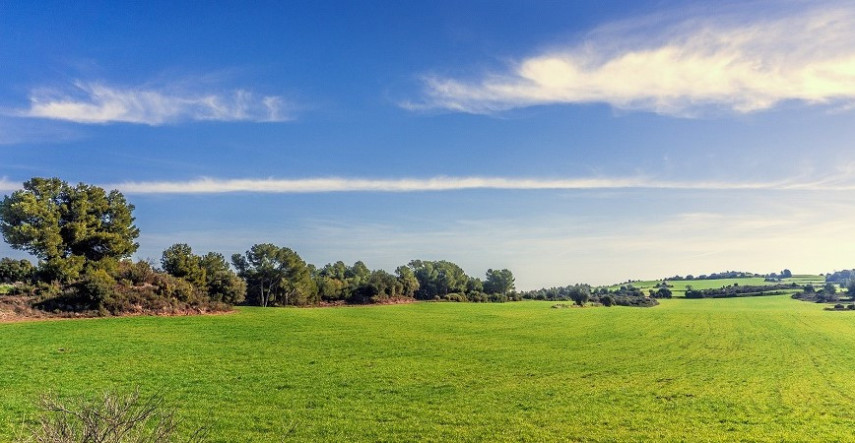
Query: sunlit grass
[{"x": 767, "y": 368}]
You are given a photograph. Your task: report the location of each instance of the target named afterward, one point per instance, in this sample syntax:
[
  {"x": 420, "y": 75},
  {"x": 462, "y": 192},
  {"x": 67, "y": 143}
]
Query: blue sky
[{"x": 570, "y": 141}]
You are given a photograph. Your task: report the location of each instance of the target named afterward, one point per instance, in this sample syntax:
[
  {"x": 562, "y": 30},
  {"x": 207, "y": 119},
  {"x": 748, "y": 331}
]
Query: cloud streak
[
  {"x": 439, "y": 184},
  {"x": 739, "y": 61},
  {"x": 97, "y": 103}
]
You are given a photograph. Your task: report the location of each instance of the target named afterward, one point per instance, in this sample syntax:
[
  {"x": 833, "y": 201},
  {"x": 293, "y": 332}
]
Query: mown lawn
[{"x": 766, "y": 368}]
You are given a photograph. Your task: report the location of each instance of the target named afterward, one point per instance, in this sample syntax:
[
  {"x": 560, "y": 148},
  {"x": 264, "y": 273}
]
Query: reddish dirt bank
[{"x": 19, "y": 308}]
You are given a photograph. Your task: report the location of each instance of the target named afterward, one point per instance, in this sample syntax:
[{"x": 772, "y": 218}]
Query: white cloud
[
  {"x": 99, "y": 103},
  {"x": 841, "y": 182},
  {"x": 8, "y": 186},
  {"x": 741, "y": 61}
]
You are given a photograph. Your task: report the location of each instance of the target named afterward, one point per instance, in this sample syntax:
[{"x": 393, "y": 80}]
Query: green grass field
[{"x": 764, "y": 369}]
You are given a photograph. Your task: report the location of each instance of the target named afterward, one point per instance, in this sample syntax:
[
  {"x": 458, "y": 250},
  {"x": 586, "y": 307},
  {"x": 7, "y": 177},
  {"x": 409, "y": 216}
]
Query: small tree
[
  {"x": 580, "y": 295},
  {"x": 662, "y": 293},
  {"x": 180, "y": 261}
]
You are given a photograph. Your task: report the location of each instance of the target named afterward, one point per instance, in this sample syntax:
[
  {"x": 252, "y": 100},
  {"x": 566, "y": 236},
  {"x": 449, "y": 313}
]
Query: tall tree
[
  {"x": 332, "y": 281},
  {"x": 275, "y": 275},
  {"x": 499, "y": 282},
  {"x": 222, "y": 283},
  {"x": 67, "y": 226},
  {"x": 409, "y": 282},
  {"x": 438, "y": 278},
  {"x": 357, "y": 275}
]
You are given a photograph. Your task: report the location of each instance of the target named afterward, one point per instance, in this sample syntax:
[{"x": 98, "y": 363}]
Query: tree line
[
  {"x": 83, "y": 237},
  {"x": 827, "y": 294},
  {"x": 582, "y": 294},
  {"x": 737, "y": 290},
  {"x": 714, "y": 276},
  {"x": 277, "y": 276}
]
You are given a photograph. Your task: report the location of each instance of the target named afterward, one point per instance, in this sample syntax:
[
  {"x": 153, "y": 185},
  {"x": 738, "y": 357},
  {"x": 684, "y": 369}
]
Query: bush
[
  {"x": 97, "y": 289},
  {"x": 46, "y": 290},
  {"x": 498, "y": 298},
  {"x": 111, "y": 419},
  {"x": 137, "y": 273},
  {"x": 454, "y": 296},
  {"x": 662, "y": 293},
  {"x": 477, "y": 296}
]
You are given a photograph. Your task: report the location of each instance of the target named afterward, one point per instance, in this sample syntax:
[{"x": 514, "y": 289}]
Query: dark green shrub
[
  {"x": 498, "y": 298},
  {"x": 455, "y": 297},
  {"x": 607, "y": 300},
  {"x": 12, "y": 271},
  {"x": 97, "y": 288}
]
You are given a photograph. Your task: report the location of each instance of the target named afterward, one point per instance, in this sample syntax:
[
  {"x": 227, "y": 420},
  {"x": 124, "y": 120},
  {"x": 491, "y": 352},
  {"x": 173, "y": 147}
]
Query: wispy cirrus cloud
[
  {"x": 838, "y": 182},
  {"x": 98, "y": 103},
  {"x": 732, "y": 58}
]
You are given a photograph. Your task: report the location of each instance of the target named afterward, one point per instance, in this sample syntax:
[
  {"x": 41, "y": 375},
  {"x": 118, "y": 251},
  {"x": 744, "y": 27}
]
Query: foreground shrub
[{"x": 112, "y": 418}]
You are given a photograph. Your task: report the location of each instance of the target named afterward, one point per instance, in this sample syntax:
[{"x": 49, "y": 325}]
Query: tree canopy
[
  {"x": 499, "y": 281},
  {"x": 210, "y": 272},
  {"x": 12, "y": 270},
  {"x": 68, "y": 226},
  {"x": 275, "y": 276}
]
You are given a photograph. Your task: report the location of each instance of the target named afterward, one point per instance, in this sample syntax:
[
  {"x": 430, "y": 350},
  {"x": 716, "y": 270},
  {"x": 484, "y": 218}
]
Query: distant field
[
  {"x": 805, "y": 279},
  {"x": 762, "y": 369},
  {"x": 679, "y": 286}
]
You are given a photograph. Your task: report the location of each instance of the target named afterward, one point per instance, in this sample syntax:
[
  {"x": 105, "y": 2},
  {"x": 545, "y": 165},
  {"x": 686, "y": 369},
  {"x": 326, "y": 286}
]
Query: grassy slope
[{"x": 767, "y": 368}]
